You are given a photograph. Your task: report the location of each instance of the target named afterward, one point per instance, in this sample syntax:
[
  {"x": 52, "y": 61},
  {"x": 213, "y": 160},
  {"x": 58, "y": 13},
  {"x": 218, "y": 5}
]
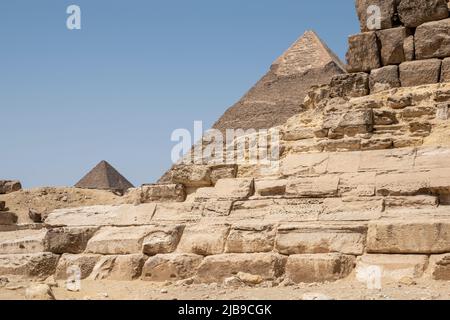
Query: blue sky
[{"x": 137, "y": 70}]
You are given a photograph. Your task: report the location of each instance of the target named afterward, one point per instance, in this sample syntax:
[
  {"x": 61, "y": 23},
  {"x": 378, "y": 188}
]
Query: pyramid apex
[{"x": 308, "y": 52}]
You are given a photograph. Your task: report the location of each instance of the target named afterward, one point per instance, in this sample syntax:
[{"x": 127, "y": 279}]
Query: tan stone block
[
  {"x": 272, "y": 187},
  {"x": 68, "y": 239},
  {"x": 440, "y": 267},
  {"x": 119, "y": 268},
  {"x": 29, "y": 265},
  {"x": 170, "y": 267},
  {"x": 22, "y": 241},
  {"x": 204, "y": 239},
  {"x": 68, "y": 262},
  {"x": 250, "y": 238},
  {"x": 321, "y": 187},
  {"x": 162, "y": 239}
]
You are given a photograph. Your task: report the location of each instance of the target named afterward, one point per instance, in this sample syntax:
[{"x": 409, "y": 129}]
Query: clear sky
[{"x": 137, "y": 70}]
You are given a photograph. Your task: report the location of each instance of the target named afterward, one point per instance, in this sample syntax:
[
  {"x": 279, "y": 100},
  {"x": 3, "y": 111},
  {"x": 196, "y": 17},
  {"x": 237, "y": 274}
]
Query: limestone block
[
  {"x": 170, "y": 267},
  {"x": 226, "y": 171},
  {"x": 270, "y": 187},
  {"x": 398, "y": 184},
  {"x": 420, "y": 72},
  {"x": 22, "y": 241},
  {"x": 387, "y": 160},
  {"x": 392, "y": 45},
  {"x": 227, "y": 189},
  {"x": 250, "y": 238},
  {"x": 320, "y": 239},
  {"x": 409, "y": 237},
  {"x": 416, "y": 202},
  {"x": 384, "y": 79},
  {"x": 69, "y": 263},
  {"x": 69, "y": 239},
  {"x": 352, "y": 209},
  {"x": 348, "y": 123},
  {"x": 350, "y": 85},
  {"x": 413, "y": 13},
  {"x": 29, "y": 265},
  {"x": 409, "y": 49},
  {"x": 204, "y": 239},
  {"x": 7, "y": 218},
  {"x": 162, "y": 239},
  {"x": 309, "y": 268},
  {"x": 192, "y": 175},
  {"x": 366, "y": 20},
  {"x": 304, "y": 164},
  {"x": 158, "y": 193},
  {"x": 219, "y": 267},
  {"x": 393, "y": 266},
  {"x": 320, "y": 187},
  {"x": 113, "y": 240},
  {"x": 119, "y": 268},
  {"x": 432, "y": 40},
  {"x": 8, "y": 186},
  {"x": 175, "y": 212},
  {"x": 357, "y": 184},
  {"x": 440, "y": 267},
  {"x": 213, "y": 208},
  {"x": 363, "y": 54},
  {"x": 445, "y": 70}
]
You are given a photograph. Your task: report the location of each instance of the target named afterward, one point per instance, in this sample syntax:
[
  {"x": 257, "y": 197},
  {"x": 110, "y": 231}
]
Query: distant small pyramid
[{"x": 104, "y": 177}]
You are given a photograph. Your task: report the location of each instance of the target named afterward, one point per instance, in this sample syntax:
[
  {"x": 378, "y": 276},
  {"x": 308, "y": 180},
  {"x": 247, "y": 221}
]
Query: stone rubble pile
[{"x": 410, "y": 47}]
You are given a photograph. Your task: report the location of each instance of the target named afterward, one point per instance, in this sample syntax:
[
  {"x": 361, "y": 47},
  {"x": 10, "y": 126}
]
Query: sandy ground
[
  {"x": 45, "y": 200},
  {"x": 140, "y": 290}
]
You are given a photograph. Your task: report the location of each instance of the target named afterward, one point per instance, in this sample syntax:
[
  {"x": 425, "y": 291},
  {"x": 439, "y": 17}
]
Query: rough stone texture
[
  {"x": 227, "y": 189},
  {"x": 320, "y": 187},
  {"x": 307, "y": 268},
  {"x": 251, "y": 238},
  {"x": 68, "y": 262},
  {"x": 226, "y": 171},
  {"x": 320, "y": 239},
  {"x": 219, "y": 267},
  {"x": 119, "y": 268},
  {"x": 392, "y": 45},
  {"x": 440, "y": 267},
  {"x": 7, "y": 218},
  {"x": 8, "y": 186},
  {"x": 384, "y": 79},
  {"x": 350, "y": 85},
  {"x": 158, "y": 193},
  {"x": 413, "y": 13},
  {"x": 347, "y": 124},
  {"x": 363, "y": 54},
  {"x": 39, "y": 292},
  {"x": 280, "y": 93},
  {"x": 2, "y": 206},
  {"x": 387, "y": 13},
  {"x": 420, "y": 72},
  {"x": 68, "y": 240},
  {"x": 111, "y": 240},
  {"x": 25, "y": 241},
  {"x": 270, "y": 187},
  {"x": 445, "y": 70},
  {"x": 29, "y": 265},
  {"x": 394, "y": 267},
  {"x": 409, "y": 48},
  {"x": 162, "y": 240},
  {"x": 170, "y": 267},
  {"x": 191, "y": 175},
  {"x": 409, "y": 237},
  {"x": 204, "y": 240},
  {"x": 432, "y": 40}
]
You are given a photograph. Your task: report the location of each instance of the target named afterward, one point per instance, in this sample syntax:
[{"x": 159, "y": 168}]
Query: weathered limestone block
[
  {"x": 291, "y": 209},
  {"x": 68, "y": 240},
  {"x": 387, "y": 160},
  {"x": 304, "y": 164},
  {"x": 24, "y": 241},
  {"x": 204, "y": 239},
  {"x": 392, "y": 266},
  {"x": 7, "y": 218},
  {"x": 219, "y": 267},
  {"x": 179, "y": 212},
  {"x": 344, "y": 162},
  {"x": 226, "y": 189},
  {"x": 413, "y": 13},
  {"x": 432, "y": 40},
  {"x": 399, "y": 101},
  {"x": 29, "y": 265},
  {"x": 409, "y": 237},
  {"x": 357, "y": 184},
  {"x": 320, "y": 239},
  {"x": 273, "y": 187},
  {"x": 8, "y": 186},
  {"x": 69, "y": 263},
  {"x": 119, "y": 268},
  {"x": 445, "y": 70},
  {"x": 363, "y": 54},
  {"x": 341, "y": 145},
  {"x": 398, "y": 184},
  {"x": 192, "y": 175},
  {"x": 226, "y": 171},
  {"x": 385, "y": 117},
  {"x": 114, "y": 241},
  {"x": 409, "y": 49},
  {"x": 39, "y": 292},
  {"x": 420, "y": 72},
  {"x": 158, "y": 193},
  {"x": 392, "y": 45},
  {"x": 350, "y": 85},
  {"x": 162, "y": 239},
  {"x": 348, "y": 123},
  {"x": 320, "y": 187},
  {"x": 309, "y": 268},
  {"x": 123, "y": 215},
  {"x": 213, "y": 208},
  {"x": 352, "y": 209},
  {"x": 171, "y": 267},
  {"x": 384, "y": 79},
  {"x": 440, "y": 267},
  {"x": 250, "y": 238},
  {"x": 365, "y": 15},
  {"x": 416, "y": 202},
  {"x": 431, "y": 158}
]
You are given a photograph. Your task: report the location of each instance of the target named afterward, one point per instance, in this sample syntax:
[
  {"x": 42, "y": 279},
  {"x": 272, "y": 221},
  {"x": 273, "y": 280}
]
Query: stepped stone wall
[{"x": 409, "y": 47}]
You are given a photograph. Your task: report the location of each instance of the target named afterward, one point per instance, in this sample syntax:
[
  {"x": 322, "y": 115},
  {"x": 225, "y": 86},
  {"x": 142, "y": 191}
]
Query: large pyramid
[
  {"x": 280, "y": 93},
  {"x": 104, "y": 177}
]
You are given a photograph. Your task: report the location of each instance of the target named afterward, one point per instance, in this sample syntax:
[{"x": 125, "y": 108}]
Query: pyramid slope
[
  {"x": 280, "y": 93},
  {"x": 104, "y": 177}
]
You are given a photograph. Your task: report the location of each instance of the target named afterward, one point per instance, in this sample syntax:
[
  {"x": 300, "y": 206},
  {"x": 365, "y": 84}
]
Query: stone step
[{"x": 21, "y": 242}]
